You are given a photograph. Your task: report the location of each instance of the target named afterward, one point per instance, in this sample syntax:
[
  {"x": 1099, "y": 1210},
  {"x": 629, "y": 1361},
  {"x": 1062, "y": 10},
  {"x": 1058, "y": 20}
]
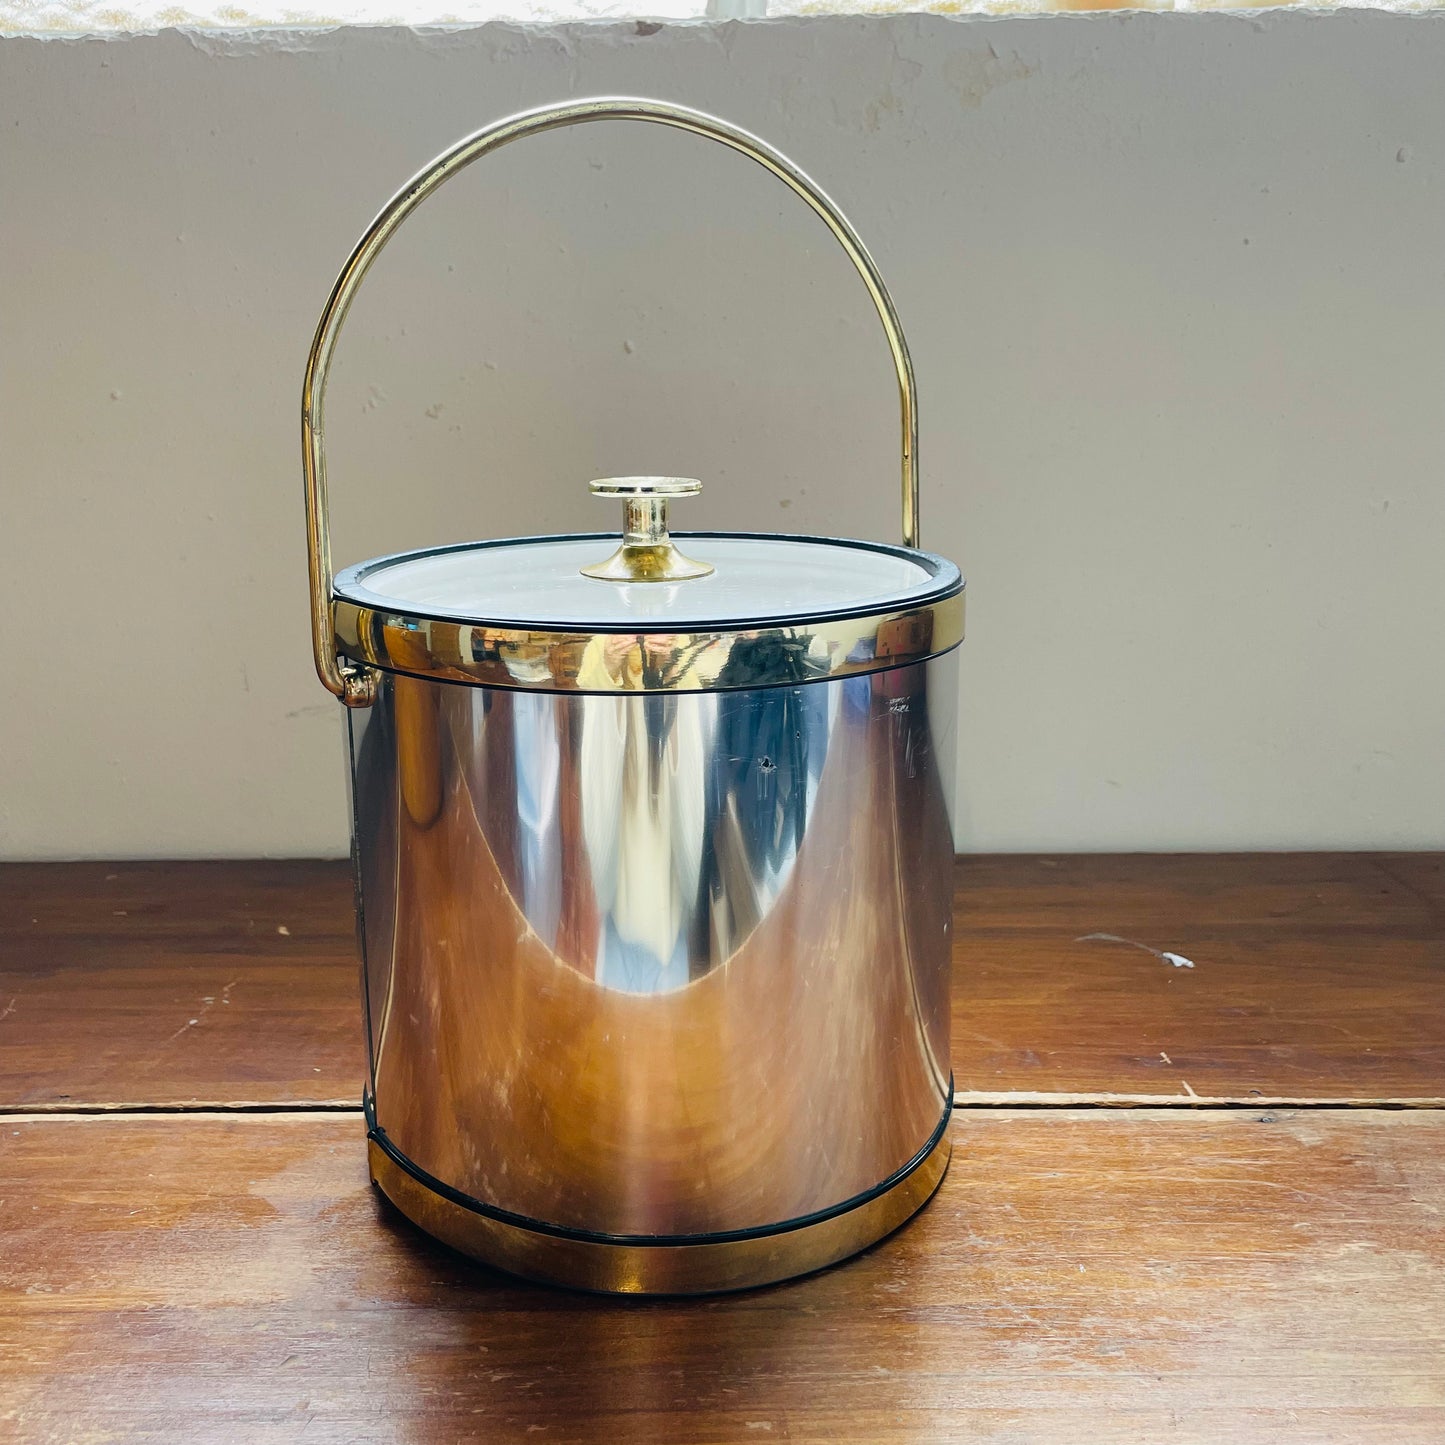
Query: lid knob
[{"x": 647, "y": 553}]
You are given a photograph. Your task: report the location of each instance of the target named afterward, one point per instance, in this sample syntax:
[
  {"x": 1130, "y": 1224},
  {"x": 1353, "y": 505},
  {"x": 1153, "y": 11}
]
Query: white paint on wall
[{"x": 1175, "y": 287}]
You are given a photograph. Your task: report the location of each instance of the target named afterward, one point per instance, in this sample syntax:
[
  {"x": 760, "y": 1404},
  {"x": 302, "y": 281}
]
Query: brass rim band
[
  {"x": 357, "y": 687},
  {"x": 702, "y": 1267},
  {"x": 538, "y": 660}
]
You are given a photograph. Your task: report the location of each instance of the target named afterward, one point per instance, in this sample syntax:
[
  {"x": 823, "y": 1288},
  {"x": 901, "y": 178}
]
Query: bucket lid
[{"x": 733, "y": 610}]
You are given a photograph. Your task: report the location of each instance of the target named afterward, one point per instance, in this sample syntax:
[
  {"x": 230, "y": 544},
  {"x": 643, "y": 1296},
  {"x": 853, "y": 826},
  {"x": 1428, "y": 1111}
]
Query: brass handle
[
  {"x": 357, "y": 687},
  {"x": 647, "y": 553}
]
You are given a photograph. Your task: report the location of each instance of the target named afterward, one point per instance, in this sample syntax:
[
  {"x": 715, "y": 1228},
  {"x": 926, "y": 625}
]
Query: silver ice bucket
[{"x": 653, "y": 860}]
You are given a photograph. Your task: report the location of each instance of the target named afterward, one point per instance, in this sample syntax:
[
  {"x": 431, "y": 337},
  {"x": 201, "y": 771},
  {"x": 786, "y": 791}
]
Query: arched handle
[{"x": 357, "y": 688}]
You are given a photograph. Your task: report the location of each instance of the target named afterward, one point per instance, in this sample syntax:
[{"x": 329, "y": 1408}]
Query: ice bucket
[{"x": 653, "y": 859}]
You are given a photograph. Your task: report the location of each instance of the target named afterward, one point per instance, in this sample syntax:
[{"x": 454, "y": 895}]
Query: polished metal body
[
  {"x": 647, "y": 968},
  {"x": 654, "y": 897}
]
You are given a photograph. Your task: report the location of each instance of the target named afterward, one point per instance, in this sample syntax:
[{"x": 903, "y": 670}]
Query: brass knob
[{"x": 647, "y": 553}]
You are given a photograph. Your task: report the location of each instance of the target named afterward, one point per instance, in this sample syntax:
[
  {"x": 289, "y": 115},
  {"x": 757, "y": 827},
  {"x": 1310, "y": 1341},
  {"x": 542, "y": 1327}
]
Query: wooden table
[{"x": 1198, "y": 1188}]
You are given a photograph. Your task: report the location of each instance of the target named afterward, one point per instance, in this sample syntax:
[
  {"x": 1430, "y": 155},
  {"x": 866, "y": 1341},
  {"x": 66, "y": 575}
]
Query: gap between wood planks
[{"x": 962, "y": 1102}]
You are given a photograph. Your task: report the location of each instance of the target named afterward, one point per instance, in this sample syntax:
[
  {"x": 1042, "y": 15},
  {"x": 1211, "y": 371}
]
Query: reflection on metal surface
[
  {"x": 669, "y": 964},
  {"x": 701, "y": 1266},
  {"x": 647, "y": 553},
  {"x": 694, "y": 661}
]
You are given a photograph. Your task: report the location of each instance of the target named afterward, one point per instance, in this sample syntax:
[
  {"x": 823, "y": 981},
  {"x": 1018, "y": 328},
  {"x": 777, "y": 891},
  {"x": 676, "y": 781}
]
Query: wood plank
[
  {"x": 1313, "y": 977},
  {"x": 178, "y": 983},
  {"x": 1422, "y": 872},
  {"x": 1096, "y": 1277},
  {"x": 1316, "y": 977}
]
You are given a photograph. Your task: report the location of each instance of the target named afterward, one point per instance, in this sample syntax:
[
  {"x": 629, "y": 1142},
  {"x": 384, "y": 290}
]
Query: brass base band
[{"x": 704, "y": 1266}]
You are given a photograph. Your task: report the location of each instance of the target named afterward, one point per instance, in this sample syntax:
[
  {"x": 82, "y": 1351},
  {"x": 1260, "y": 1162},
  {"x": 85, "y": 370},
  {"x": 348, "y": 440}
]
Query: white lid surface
[{"x": 538, "y": 582}]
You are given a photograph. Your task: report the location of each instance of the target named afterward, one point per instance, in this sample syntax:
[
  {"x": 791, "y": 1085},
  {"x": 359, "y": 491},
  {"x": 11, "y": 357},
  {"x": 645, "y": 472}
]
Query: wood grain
[
  {"x": 1316, "y": 977},
  {"x": 178, "y": 983},
  {"x": 1083, "y": 1276}
]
